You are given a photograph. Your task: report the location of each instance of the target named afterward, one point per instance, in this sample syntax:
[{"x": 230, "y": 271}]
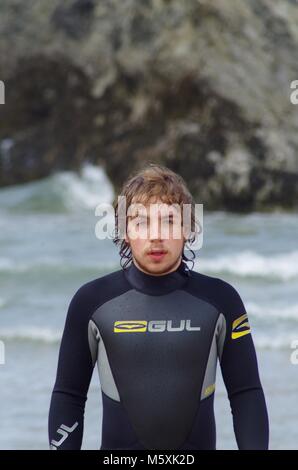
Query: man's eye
[{"x": 143, "y": 222}]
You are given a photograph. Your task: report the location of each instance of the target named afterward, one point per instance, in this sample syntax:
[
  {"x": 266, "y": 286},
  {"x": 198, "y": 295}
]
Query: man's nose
[{"x": 155, "y": 231}]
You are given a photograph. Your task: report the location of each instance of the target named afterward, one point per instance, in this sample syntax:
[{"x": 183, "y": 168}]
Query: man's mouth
[{"x": 157, "y": 254}]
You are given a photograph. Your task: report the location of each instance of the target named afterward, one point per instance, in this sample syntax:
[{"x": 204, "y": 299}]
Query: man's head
[{"x": 154, "y": 200}]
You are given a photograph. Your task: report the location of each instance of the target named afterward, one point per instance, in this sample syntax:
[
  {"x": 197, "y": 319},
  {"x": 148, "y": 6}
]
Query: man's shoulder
[
  {"x": 108, "y": 280},
  {"x": 211, "y": 281},
  {"x": 92, "y": 294},
  {"x": 217, "y": 290}
]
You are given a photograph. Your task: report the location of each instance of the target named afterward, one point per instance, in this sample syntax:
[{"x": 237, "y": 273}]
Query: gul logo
[
  {"x": 130, "y": 326},
  {"x": 240, "y": 327},
  {"x": 64, "y": 431},
  {"x": 141, "y": 326}
]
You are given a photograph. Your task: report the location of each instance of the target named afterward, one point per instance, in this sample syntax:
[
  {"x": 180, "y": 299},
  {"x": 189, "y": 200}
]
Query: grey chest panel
[{"x": 158, "y": 349}]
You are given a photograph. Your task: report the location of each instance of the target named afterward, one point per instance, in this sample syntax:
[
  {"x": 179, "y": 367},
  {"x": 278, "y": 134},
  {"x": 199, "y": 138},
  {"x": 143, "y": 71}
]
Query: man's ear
[{"x": 185, "y": 241}]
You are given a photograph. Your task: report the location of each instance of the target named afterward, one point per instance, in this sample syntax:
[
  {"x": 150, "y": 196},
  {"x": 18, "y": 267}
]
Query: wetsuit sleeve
[
  {"x": 75, "y": 366},
  {"x": 240, "y": 373}
]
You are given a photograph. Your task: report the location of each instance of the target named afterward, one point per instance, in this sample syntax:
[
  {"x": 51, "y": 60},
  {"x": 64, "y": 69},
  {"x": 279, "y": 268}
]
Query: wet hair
[{"x": 153, "y": 183}]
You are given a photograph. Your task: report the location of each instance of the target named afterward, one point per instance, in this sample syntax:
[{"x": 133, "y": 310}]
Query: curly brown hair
[{"x": 152, "y": 182}]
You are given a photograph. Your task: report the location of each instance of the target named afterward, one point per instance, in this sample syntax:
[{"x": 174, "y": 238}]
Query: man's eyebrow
[{"x": 143, "y": 216}]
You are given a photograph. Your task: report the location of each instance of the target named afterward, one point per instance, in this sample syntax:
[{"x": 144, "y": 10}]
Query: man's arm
[
  {"x": 240, "y": 373},
  {"x": 74, "y": 372}
]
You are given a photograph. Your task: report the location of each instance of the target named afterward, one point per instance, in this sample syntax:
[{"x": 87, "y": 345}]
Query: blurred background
[{"x": 93, "y": 90}]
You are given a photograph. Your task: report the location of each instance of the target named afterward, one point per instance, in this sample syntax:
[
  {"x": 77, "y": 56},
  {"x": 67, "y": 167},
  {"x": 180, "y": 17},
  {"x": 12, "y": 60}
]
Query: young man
[{"x": 156, "y": 330}]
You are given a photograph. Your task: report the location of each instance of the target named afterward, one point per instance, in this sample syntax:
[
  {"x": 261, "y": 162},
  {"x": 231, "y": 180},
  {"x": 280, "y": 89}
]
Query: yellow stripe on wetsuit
[{"x": 240, "y": 323}]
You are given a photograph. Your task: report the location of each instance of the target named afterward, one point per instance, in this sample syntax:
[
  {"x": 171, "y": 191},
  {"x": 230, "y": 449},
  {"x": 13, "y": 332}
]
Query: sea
[{"x": 49, "y": 248}]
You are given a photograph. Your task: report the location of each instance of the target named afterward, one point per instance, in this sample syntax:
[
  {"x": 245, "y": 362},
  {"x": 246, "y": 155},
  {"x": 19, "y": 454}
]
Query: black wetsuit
[{"x": 156, "y": 341}]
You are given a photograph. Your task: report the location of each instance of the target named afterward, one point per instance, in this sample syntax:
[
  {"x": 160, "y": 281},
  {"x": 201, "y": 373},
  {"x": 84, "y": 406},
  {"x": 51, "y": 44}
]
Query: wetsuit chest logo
[{"x": 153, "y": 326}]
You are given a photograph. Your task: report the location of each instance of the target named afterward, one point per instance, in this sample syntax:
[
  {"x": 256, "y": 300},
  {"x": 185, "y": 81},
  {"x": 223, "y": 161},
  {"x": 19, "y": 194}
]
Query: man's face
[{"x": 155, "y": 236}]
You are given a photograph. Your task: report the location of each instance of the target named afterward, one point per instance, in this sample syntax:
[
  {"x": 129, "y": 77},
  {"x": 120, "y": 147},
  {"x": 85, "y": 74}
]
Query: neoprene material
[{"x": 157, "y": 341}]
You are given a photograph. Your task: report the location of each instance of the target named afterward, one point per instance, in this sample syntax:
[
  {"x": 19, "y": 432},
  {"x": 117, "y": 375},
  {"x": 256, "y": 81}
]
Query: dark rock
[{"x": 203, "y": 88}]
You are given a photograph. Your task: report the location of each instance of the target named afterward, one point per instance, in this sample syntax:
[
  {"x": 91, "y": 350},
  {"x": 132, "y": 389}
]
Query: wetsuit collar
[{"x": 157, "y": 285}]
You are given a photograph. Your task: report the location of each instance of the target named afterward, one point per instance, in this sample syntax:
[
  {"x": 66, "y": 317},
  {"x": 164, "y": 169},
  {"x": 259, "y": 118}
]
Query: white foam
[
  {"x": 9, "y": 265},
  {"x": 282, "y": 266},
  {"x": 86, "y": 189},
  {"x": 67, "y": 189},
  {"x": 32, "y": 333},
  {"x": 283, "y": 312},
  {"x": 46, "y": 262},
  {"x": 276, "y": 341}
]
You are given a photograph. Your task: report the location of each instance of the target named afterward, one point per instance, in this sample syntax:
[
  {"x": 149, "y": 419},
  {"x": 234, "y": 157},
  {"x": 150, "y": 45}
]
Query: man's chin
[{"x": 157, "y": 267}]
